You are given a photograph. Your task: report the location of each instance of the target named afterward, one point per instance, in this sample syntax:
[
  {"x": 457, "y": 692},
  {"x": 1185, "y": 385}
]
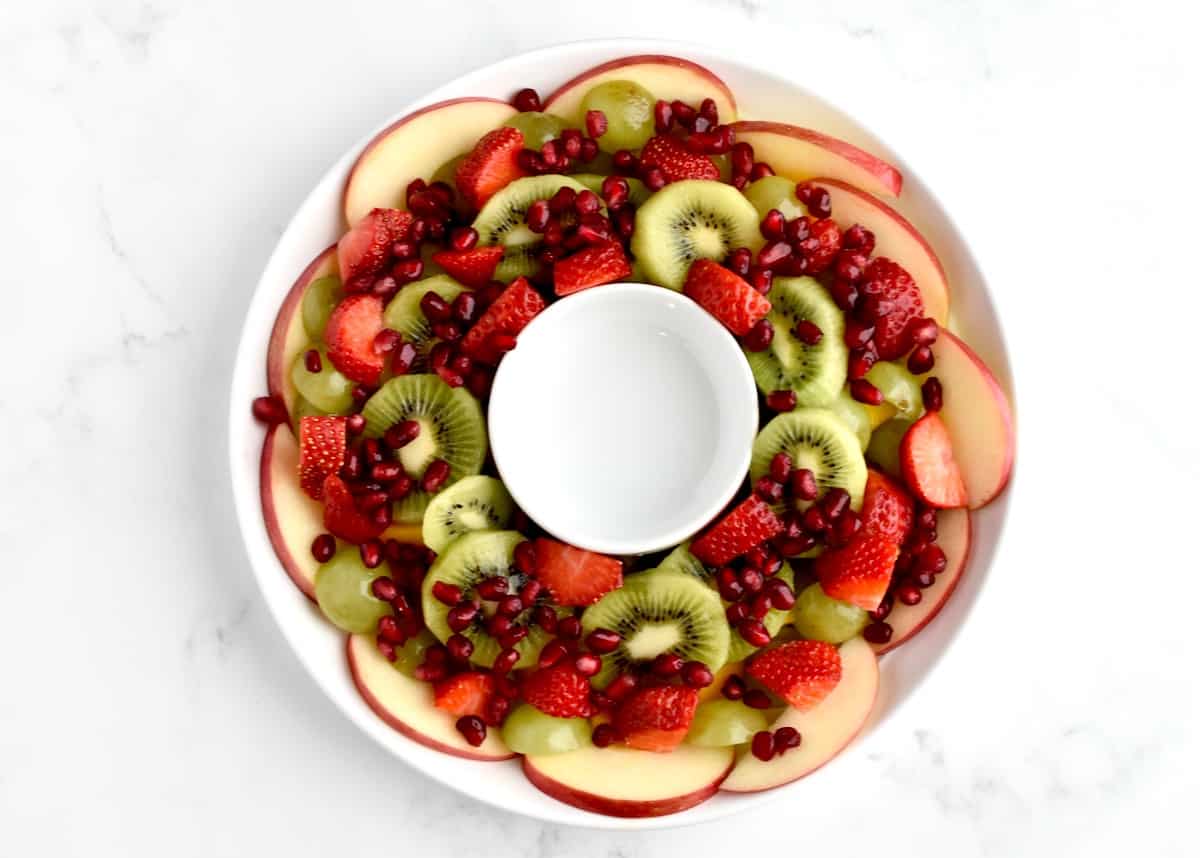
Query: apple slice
[
  {"x": 293, "y": 519},
  {"x": 896, "y": 239},
  {"x": 824, "y": 730},
  {"x": 667, "y": 78},
  {"x": 414, "y": 147},
  {"x": 978, "y": 417},
  {"x": 620, "y": 781},
  {"x": 406, "y": 705},
  {"x": 801, "y": 153},
  {"x": 954, "y": 537},
  {"x": 288, "y": 335}
]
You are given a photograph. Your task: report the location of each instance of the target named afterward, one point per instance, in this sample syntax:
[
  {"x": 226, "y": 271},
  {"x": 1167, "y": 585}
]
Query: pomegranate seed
[
  {"x": 760, "y": 170},
  {"x": 663, "y": 116},
  {"x": 858, "y": 237},
  {"x": 739, "y": 261},
  {"x": 509, "y": 606},
  {"x": 615, "y": 191},
  {"x": 403, "y": 358},
  {"x": 772, "y": 226},
  {"x": 435, "y": 475},
  {"x": 492, "y": 589},
  {"x": 587, "y": 203},
  {"x": 385, "y": 472},
  {"x": 667, "y": 664},
  {"x": 763, "y": 745},
  {"x": 524, "y": 558},
  {"x": 759, "y": 337},
  {"x": 382, "y": 516},
  {"x": 545, "y": 617},
  {"x": 814, "y": 520},
  {"x": 782, "y": 596},
  {"x": 498, "y": 625},
  {"x": 537, "y": 216},
  {"x": 621, "y": 686},
  {"x": 371, "y": 553},
  {"x": 408, "y": 270},
  {"x": 312, "y": 360},
  {"x": 604, "y": 735},
  {"x": 323, "y": 547},
  {"x": 757, "y": 699},
  {"x": 563, "y": 201},
  {"x": 355, "y": 423},
  {"x": 846, "y": 526},
  {"x": 728, "y": 585},
  {"x": 405, "y": 250},
  {"x": 513, "y": 636},
  {"x": 655, "y": 179},
  {"x": 858, "y": 333},
  {"x": 877, "y": 633},
  {"x": 527, "y": 100},
  {"x": 434, "y": 307},
  {"x": 781, "y": 400},
  {"x": 596, "y": 123},
  {"x": 927, "y": 519},
  {"x": 931, "y": 394},
  {"x": 754, "y": 632},
  {"x": 741, "y": 159},
  {"x": 385, "y": 649},
  {"x": 447, "y": 594},
  {"x": 786, "y": 738},
  {"x": 602, "y": 641},
  {"x": 588, "y": 665},
  {"x": 496, "y": 710},
  {"x": 835, "y": 502},
  {"x": 781, "y": 467},
  {"x": 570, "y": 628},
  {"x": 572, "y": 143},
  {"x": 921, "y": 360},
  {"x": 472, "y": 729},
  {"x": 924, "y": 579},
  {"x": 923, "y": 332},
  {"x": 448, "y": 331},
  {"x": 552, "y": 653},
  {"x": 819, "y": 203},
  {"x": 774, "y": 253},
  {"x": 390, "y": 630},
  {"x": 865, "y": 392},
  {"x": 600, "y": 700},
  {"x": 804, "y": 484},
  {"x": 908, "y": 594},
  {"x": 760, "y": 606},
  {"x": 623, "y": 160},
  {"x": 931, "y": 559},
  {"x": 506, "y": 660},
  {"x": 459, "y": 647},
  {"x": 736, "y": 612},
  {"x": 768, "y": 489},
  {"x": 401, "y": 488},
  {"x": 530, "y": 592},
  {"x": 464, "y": 238},
  {"x": 461, "y": 616},
  {"x": 760, "y": 279},
  {"x": 794, "y": 546},
  {"x": 885, "y": 608},
  {"x": 268, "y": 410},
  {"x": 875, "y": 307},
  {"x": 860, "y": 363},
  {"x": 752, "y": 580},
  {"x": 807, "y": 332},
  {"x": 685, "y": 114}
]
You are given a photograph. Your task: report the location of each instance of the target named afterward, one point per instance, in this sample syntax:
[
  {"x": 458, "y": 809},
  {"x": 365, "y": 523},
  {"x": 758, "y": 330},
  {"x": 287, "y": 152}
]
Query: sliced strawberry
[
  {"x": 573, "y": 575},
  {"x": 592, "y": 266},
  {"x": 731, "y": 300},
  {"x": 473, "y": 267},
  {"x": 860, "y": 571},
  {"x": 559, "y": 690},
  {"x": 350, "y": 337},
  {"x": 512, "y": 311},
  {"x": 490, "y": 166},
  {"x": 676, "y": 162},
  {"x": 366, "y": 248},
  {"x": 656, "y": 718},
  {"x": 464, "y": 693},
  {"x": 342, "y": 518},
  {"x": 750, "y": 523},
  {"x": 927, "y": 462},
  {"x": 322, "y": 452},
  {"x": 887, "y": 508},
  {"x": 888, "y": 280},
  {"x": 801, "y": 672}
]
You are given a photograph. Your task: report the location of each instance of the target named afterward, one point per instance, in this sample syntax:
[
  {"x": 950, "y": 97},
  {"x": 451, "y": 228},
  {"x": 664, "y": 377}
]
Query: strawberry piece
[
  {"x": 801, "y": 672},
  {"x": 828, "y": 243},
  {"x": 490, "y": 166},
  {"x": 322, "y": 452},
  {"x": 473, "y": 267},
  {"x": 342, "y": 518},
  {"x": 464, "y": 693},
  {"x": 574, "y": 576},
  {"x": 887, "y": 508},
  {"x": 656, "y": 718},
  {"x": 927, "y": 462},
  {"x": 592, "y": 266},
  {"x": 350, "y": 335},
  {"x": 365, "y": 250},
  {"x": 559, "y": 690},
  {"x": 888, "y": 280},
  {"x": 508, "y": 314},
  {"x": 860, "y": 571},
  {"x": 750, "y": 523},
  {"x": 728, "y": 298},
  {"x": 676, "y": 162}
]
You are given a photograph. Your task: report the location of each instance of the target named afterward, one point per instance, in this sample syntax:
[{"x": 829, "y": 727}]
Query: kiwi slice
[
  {"x": 594, "y": 182},
  {"x": 683, "y": 561},
  {"x": 818, "y": 440},
  {"x": 690, "y": 220},
  {"x": 739, "y": 647},
  {"x": 815, "y": 373},
  {"x": 452, "y": 429},
  {"x": 502, "y": 221},
  {"x": 659, "y": 612},
  {"x": 466, "y": 562},
  {"x": 403, "y": 314},
  {"x": 473, "y": 503}
]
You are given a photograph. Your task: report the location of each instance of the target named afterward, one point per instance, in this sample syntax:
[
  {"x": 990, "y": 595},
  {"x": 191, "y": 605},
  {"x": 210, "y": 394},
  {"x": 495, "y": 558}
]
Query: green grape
[
  {"x": 343, "y": 587},
  {"x": 528, "y": 730},
  {"x": 854, "y": 414},
  {"x": 327, "y": 390},
  {"x": 820, "y": 618},
  {"x": 721, "y": 723},
  {"x": 884, "y": 449},
  {"x": 303, "y": 408},
  {"x": 629, "y": 109},
  {"x": 537, "y": 128},
  {"x": 775, "y": 192},
  {"x": 898, "y": 387},
  {"x": 413, "y": 652},
  {"x": 318, "y": 302}
]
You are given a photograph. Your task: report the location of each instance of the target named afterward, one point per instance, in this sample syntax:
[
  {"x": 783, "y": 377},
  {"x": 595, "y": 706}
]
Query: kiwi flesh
[
  {"x": 452, "y": 429},
  {"x": 818, "y": 440},
  {"x": 775, "y": 620},
  {"x": 659, "y": 612},
  {"x": 502, "y": 221},
  {"x": 816, "y": 373},
  {"x": 683, "y": 561},
  {"x": 473, "y": 503},
  {"x": 690, "y": 220},
  {"x": 404, "y": 315}
]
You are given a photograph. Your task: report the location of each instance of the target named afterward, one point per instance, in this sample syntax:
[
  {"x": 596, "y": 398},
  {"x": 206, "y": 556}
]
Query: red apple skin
[
  {"x": 270, "y": 502},
  {"x": 888, "y": 179},
  {"x": 617, "y": 807},
  {"x": 278, "y": 358},
  {"x": 721, "y": 92}
]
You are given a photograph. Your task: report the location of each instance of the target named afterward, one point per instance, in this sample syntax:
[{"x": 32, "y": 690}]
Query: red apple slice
[
  {"x": 414, "y": 147},
  {"x": 896, "y": 239},
  {"x": 801, "y": 153},
  {"x": 293, "y": 519},
  {"x": 288, "y": 335},
  {"x": 824, "y": 730},
  {"x": 668, "y": 78},
  {"x": 406, "y": 705},
  {"x": 977, "y": 414},
  {"x": 619, "y": 781},
  {"x": 954, "y": 537}
]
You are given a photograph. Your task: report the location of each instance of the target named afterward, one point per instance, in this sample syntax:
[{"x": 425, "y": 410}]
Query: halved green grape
[
  {"x": 820, "y": 618},
  {"x": 884, "y": 449},
  {"x": 854, "y": 414},
  {"x": 775, "y": 192},
  {"x": 413, "y": 652},
  {"x": 343, "y": 590},
  {"x": 302, "y": 408},
  {"x": 898, "y": 387},
  {"x": 537, "y": 128},
  {"x": 445, "y": 173},
  {"x": 594, "y": 182},
  {"x": 629, "y": 109},
  {"x": 528, "y": 730},
  {"x": 722, "y": 723},
  {"x": 318, "y": 302},
  {"x": 327, "y": 390}
]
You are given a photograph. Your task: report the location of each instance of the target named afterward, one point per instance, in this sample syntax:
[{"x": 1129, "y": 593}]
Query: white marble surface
[{"x": 151, "y": 152}]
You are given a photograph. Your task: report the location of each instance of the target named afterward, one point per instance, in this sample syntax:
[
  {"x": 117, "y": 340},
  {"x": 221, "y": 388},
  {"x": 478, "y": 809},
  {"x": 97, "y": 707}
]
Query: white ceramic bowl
[{"x": 318, "y": 223}]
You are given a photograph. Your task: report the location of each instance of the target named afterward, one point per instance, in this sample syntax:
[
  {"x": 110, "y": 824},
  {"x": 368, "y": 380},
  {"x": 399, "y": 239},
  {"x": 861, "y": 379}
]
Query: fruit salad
[{"x": 739, "y": 660}]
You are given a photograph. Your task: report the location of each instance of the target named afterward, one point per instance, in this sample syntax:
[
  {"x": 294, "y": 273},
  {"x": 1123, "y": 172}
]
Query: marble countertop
[{"x": 151, "y": 152}]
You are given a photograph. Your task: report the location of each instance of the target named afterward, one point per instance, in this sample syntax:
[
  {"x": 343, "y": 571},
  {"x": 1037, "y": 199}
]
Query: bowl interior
[{"x": 761, "y": 95}]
